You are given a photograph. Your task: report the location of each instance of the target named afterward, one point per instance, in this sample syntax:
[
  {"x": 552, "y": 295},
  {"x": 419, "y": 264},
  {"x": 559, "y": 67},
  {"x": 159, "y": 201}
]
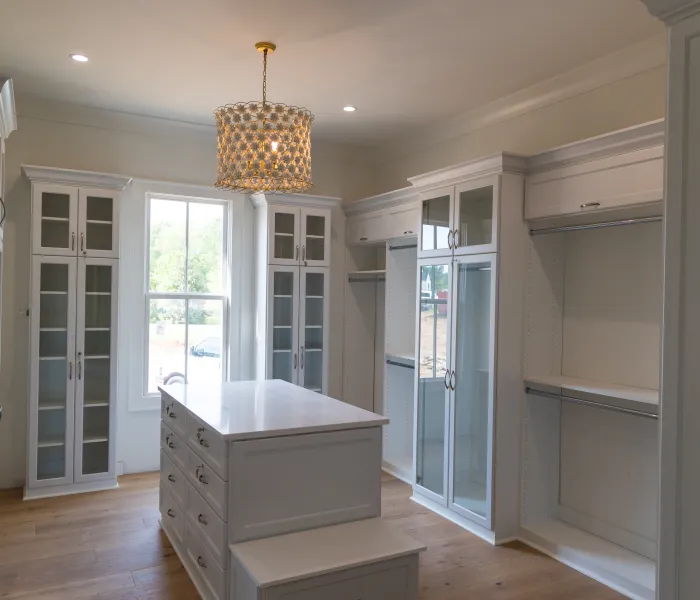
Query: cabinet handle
[
  {"x": 80, "y": 365},
  {"x": 449, "y": 239},
  {"x": 296, "y": 253},
  {"x": 171, "y": 513},
  {"x": 171, "y": 414},
  {"x": 70, "y": 371},
  {"x": 410, "y": 231},
  {"x": 444, "y": 379},
  {"x": 453, "y": 385},
  {"x": 455, "y": 238},
  {"x": 72, "y": 241},
  {"x": 171, "y": 478},
  {"x": 202, "y": 520},
  {"x": 591, "y": 205},
  {"x": 168, "y": 443},
  {"x": 363, "y": 239},
  {"x": 202, "y": 441},
  {"x": 4, "y": 211},
  {"x": 303, "y": 253},
  {"x": 302, "y": 357},
  {"x": 201, "y": 478},
  {"x": 201, "y": 563},
  {"x": 82, "y": 242},
  {"x": 295, "y": 360}
]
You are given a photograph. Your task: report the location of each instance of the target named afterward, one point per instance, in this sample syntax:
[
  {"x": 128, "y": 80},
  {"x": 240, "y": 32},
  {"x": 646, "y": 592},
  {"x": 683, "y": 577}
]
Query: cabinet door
[
  {"x": 54, "y": 220},
  {"x": 435, "y": 234},
  {"x": 475, "y": 229},
  {"x": 282, "y": 324},
  {"x": 432, "y": 387},
  {"x": 403, "y": 222},
  {"x": 313, "y": 329},
  {"x": 471, "y": 410},
  {"x": 52, "y": 371},
  {"x": 315, "y": 237},
  {"x": 96, "y": 347},
  {"x": 284, "y": 233},
  {"x": 98, "y": 214}
]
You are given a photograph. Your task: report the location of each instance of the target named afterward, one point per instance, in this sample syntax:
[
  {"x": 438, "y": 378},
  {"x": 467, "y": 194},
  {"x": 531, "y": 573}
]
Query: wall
[{"x": 91, "y": 139}]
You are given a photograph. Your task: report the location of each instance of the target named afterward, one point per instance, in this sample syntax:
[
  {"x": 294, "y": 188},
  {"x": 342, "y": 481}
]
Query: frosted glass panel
[
  {"x": 472, "y": 387},
  {"x": 432, "y": 369},
  {"x": 475, "y": 217},
  {"x": 435, "y": 223}
]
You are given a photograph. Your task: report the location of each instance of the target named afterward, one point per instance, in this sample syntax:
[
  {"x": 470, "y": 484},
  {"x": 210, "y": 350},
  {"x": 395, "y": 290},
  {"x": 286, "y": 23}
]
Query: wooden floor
[{"x": 108, "y": 545}]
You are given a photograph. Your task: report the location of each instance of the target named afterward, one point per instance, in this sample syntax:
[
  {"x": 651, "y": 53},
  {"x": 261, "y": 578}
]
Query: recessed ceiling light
[
  {"x": 349, "y": 108},
  {"x": 79, "y": 57}
]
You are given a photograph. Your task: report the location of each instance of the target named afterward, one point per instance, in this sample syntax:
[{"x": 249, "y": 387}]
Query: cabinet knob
[
  {"x": 202, "y": 520},
  {"x": 201, "y": 563},
  {"x": 171, "y": 513},
  {"x": 171, "y": 478}
]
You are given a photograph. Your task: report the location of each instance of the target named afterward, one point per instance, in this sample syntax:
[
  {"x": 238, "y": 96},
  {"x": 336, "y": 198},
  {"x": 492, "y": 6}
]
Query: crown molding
[
  {"x": 309, "y": 200},
  {"x": 672, "y": 11},
  {"x": 386, "y": 200},
  {"x": 491, "y": 165},
  {"x": 71, "y": 177},
  {"x": 8, "y": 114},
  {"x": 639, "y": 137}
]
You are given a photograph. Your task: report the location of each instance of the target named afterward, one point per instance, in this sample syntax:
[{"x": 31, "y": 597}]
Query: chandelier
[{"x": 263, "y": 146}]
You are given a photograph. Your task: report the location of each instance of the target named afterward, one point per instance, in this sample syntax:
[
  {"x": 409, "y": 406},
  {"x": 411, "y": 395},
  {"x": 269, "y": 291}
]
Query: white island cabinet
[{"x": 247, "y": 460}]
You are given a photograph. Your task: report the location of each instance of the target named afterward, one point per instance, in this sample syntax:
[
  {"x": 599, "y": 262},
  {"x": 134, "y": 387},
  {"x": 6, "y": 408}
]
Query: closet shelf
[
  {"x": 607, "y": 395},
  {"x": 375, "y": 275},
  {"x": 405, "y": 360}
]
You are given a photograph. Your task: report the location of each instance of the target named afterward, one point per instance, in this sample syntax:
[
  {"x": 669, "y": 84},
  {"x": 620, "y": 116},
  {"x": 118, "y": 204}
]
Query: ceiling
[{"x": 402, "y": 63}]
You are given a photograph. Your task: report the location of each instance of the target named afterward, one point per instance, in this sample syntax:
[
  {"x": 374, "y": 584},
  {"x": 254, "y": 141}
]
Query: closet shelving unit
[{"x": 590, "y": 462}]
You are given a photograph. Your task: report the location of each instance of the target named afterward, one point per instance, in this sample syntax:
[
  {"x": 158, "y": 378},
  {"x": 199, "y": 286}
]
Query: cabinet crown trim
[
  {"x": 258, "y": 200},
  {"x": 639, "y": 137},
  {"x": 491, "y": 165},
  {"x": 671, "y": 11},
  {"x": 386, "y": 200},
  {"x": 8, "y": 115},
  {"x": 72, "y": 177}
]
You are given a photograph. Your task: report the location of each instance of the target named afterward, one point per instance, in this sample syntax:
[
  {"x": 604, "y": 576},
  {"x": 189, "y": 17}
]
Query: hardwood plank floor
[{"x": 109, "y": 546}]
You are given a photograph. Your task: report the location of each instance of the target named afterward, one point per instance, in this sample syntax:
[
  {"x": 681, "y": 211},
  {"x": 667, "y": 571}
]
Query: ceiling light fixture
[
  {"x": 262, "y": 146},
  {"x": 79, "y": 57},
  {"x": 349, "y": 108}
]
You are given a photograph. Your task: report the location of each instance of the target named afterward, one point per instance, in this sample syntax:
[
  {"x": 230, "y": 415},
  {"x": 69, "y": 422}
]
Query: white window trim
[{"x": 134, "y": 282}]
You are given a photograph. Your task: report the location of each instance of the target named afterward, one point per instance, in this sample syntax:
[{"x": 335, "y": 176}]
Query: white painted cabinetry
[{"x": 73, "y": 325}]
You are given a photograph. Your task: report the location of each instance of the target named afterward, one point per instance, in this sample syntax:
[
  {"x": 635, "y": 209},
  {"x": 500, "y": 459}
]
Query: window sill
[{"x": 147, "y": 403}]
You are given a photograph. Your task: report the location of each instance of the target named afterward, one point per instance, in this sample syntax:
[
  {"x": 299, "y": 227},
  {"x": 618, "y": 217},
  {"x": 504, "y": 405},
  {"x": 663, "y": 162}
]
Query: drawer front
[
  {"x": 390, "y": 580},
  {"x": 173, "y": 480},
  {"x": 172, "y": 516},
  {"x": 212, "y": 488},
  {"x": 175, "y": 448},
  {"x": 209, "y": 445},
  {"x": 175, "y": 415},
  {"x": 204, "y": 565},
  {"x": 403, "y": 223},
  {"x": 212, "y": 530}
]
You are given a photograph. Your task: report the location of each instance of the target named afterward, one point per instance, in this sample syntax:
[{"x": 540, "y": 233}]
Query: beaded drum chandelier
[{"x": 264, "y": 147}]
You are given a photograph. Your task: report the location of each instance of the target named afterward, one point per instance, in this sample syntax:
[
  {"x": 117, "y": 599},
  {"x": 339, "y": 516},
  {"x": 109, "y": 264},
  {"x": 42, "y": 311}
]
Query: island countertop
[{"x": 246, "y": 410}]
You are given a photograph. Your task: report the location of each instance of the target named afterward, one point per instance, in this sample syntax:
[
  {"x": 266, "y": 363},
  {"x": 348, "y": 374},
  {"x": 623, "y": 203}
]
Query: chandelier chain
[{"x": 264, "y": 77}]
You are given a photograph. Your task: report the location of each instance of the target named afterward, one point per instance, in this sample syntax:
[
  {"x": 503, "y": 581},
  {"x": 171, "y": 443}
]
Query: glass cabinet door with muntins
[
  {"x": 283, "y": 359},
  {"x": 476, "y": 204},
  {"x": 55, "y": 215},
  {"x": 435, "y": 226},
  {"x": 53, "y": 380},
  {"x": 473, "y": 320},
  {"x": 99, "y": 236},
  {"x": 312, "y": 328},
  {"x": 433, "y": 377},
  {"x": 96, "y": 344},
  {"x": 284, "y": 236},
  {"x": 315, "y": 238}
]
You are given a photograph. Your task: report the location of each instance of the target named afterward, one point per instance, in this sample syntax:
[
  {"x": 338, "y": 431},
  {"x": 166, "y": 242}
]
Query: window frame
[{"x": 224, "y": 297}]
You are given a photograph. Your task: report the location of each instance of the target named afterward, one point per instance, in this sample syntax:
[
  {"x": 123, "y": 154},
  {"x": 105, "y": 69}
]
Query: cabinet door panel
[
  {"x": 98, "y": 213},
  {"x": 53, "y": 371},
  {"x": 283, "y": 315},
  {"x": 473, "y": 319},
  {"x": 315, "y": 237},
  {"x": 432, "y": 371},
  {"x": 436, "y": 211},
  {"x": 313, "y": 329},
  {"x": 54, "y": 220},
  {"x": 283, "y": 233},
  {"x": 475, "y": 216}
]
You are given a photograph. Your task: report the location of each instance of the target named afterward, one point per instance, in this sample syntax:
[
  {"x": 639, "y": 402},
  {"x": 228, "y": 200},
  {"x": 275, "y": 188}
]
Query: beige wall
[
  {"x": 88, "y": 139},
  {"x": 630, "y": 101}
]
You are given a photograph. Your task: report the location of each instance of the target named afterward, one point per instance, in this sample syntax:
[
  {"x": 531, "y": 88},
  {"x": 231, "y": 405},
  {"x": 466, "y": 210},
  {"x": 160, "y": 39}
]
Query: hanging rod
[
  {"x": 365, "y": 279},
  {"x": 398, "y": 364},
  {"x": 610, "y": 407},
  {"x": 596, "y": 225},
  {"x": 403, "y": 247}
]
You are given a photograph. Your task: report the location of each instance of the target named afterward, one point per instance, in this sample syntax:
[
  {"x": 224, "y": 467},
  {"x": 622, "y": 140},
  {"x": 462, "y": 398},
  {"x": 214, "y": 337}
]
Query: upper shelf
[
  {"x": 606, "y": 394},
  {"x": 377, "y": 275},
  {"x": 404, "y": 360}
]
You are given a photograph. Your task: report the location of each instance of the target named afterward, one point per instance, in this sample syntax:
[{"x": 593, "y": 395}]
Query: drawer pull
[
  {"x": 171, "y": 513},
  {"x": 202, "y": 441},
  {"x": 590, "y": 205},
  {"x": 168, "y": 442},
  {"x": 201, "y": 563},
  {"x": 202, "y": 520},
  {"x": 200, "y": 477},
  {"x": 172, "y": 415},
  {"x": 363, "y": 239},
  {"x": 171, "y": 478}
]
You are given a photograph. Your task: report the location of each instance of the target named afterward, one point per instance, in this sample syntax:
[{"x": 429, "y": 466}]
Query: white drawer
[
  {"x": 209, "y": 445},
  {"x": 204, "y": 565},
  {"x": 172, "y": 516},
  {"x": 208, "y": 484},
  {"x": 212, "y": 530},
  {"x": 174, "y": 415},
  {"x": 172, "y": 480},
  {"x": 175, "y": 448}
]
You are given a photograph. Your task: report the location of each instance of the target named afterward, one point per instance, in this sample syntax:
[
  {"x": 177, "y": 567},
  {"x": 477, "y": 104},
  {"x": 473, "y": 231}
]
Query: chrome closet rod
[
  {"x": 403, "y": 247},
  {"x": 627, "y": 411},
  {"x": 365, "y": 279},
  {"x": 596, "y": 225},
  {"x": 398, "y": 364}
]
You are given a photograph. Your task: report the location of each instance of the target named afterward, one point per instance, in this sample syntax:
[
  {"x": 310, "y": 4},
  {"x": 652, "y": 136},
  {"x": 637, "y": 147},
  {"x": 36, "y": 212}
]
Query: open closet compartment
[{"x": 590, "y": 461}]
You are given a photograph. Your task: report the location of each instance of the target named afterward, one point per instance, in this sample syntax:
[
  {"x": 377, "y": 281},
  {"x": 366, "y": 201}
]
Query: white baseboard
[
  {"x": 402, "y": 474},
  {"x": 73, "y": 488}
]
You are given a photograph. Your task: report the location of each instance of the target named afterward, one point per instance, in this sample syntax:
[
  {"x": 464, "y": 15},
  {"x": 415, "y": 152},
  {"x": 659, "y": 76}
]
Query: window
[{"x": 186, "y": 297}]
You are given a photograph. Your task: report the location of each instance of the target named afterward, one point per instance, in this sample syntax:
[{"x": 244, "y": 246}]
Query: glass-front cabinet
[
  {"x": 461, "y": 219},
  {"x": 313, "y": 331},
  {"x": 299, "y": 236},
  {"x": 283, "y": 316}
]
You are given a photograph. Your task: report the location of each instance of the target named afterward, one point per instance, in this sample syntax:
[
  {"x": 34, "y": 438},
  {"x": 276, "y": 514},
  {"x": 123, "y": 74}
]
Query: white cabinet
[
  {"x": 299, "y": 236},
  {"x": 73, "y": 221},
  {"x": 383, "y": 225}
]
